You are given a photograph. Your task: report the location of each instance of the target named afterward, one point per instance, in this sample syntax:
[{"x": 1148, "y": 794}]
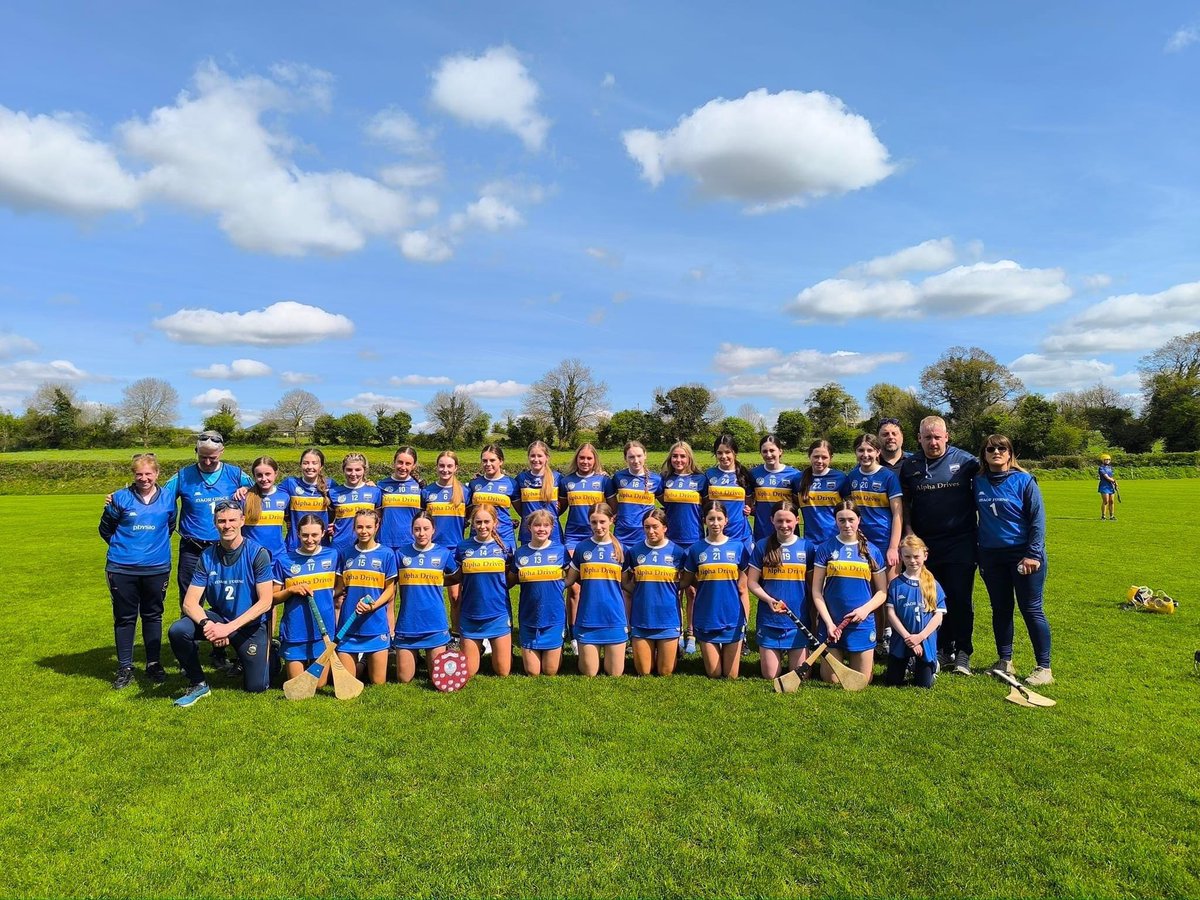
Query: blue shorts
[
  {"x": 855, "y": 638},
  {"x": 1106, "y": 489},
  {"x": 425, "y": 641},
  {"x": 602, "y": 635},
  {"x": 548, "y": 638},
  {"x": 730, "y": 634},
  {"x": 655, "y": 634},
  {"x": 301, "y": 651},
  {"x": 483, "y": 629},
  {"x": 775, "y": 638},
  {"x": 360, "y": 644}
]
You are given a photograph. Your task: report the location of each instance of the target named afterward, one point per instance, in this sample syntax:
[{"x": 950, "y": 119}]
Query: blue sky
[{"x": 762, "y": 197}]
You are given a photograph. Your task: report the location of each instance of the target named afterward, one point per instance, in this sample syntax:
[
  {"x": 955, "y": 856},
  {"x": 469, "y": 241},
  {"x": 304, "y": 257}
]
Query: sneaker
[
  {"x": 1112, "y": 518},
  {"x": 487, "y": 647},
  {"x": 574, "y": 646},
  {"x": 232, "y": 670},
  {"x": 962, "y": 663},
  {"x": 690, "y": 646},
  {"x": 156, "y": 673},
  {"x": 945, "y": 660},
  {"x": 194, "y": 694},
  {"x": 1003, "y": 666},
  {"x": 124, "y": 678},
  {"x": 1039, "y": 676}
]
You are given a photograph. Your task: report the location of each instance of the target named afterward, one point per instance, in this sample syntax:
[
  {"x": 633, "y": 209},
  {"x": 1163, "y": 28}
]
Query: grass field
[{"x": 648, "y": 787}]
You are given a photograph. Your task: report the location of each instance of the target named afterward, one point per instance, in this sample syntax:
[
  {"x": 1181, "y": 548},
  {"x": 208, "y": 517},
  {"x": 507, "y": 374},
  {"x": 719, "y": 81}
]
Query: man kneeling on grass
[{"x": 234, "y": 578}]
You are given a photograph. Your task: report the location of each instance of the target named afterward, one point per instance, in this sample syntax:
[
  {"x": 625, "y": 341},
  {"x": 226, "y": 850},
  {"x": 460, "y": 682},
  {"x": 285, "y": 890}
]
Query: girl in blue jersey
[
  {"x": 424, "y": 568},
  {"x": 778, "y": 576},
  {"x": 401, "y": 496},
  {"x": 1012, "y": 553},
  {"x": 820, "y": 490},
  {"x": 309, "y": 494},
  {"x": 537, "y": 566},
  {"x": 683, "y": 490},
  {"x": 493, "y": 488},
  {"x": 774, "y": 482},
  {"x": 633, "y": 492},
  {"x": 875, "y": 490},
  {"x": 538, "y": 488},
  {"x": 585, "y": 485},
  {"x": 366, "y": 585},
  {"x": 308, "y": 571},
  {"x": 849, "y": 583},
  {"x": 651, "y": 580},
  {"x": 345, "y": 502},
  {"x": 602, "y": 620},
  {"x": 266, "y": 508},
  {"x": 446, "y": 502},
  {"x": 716, "y": 564},
  {"x": 730, "y": 483},
  {"x": 484, "y": 610},
  {"x": 915, "y": 607},
  {"x": 1107, "y": 487}
]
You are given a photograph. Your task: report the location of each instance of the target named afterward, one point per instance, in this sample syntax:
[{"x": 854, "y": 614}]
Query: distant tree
[
  {"x": 829, "y": 406},
  {"x": 742, "y": 431},
  {"x": 11, "y": 431},
  {"x": 524, "y": 431},
  {"x": 325, "y": 430},
  {"x": 259, "y": 434},
  {"x": 1063, "y": 438},
  {"x": 793, "y": 428},
  {"x": 477, "y": 429},
  {"x": 569, "y": 398},
  {"x": 967, "y": 382},
  {"x": 355, "y": 429},
  {"x": 223, "y": 420},
  {"x": 1171, "y": 388},
  {"x": 749, "y": 412},
  {"x": 1178, "y": 358},
  {"x": 627, "y": 425},
  {"x": 1034, "y": 417},
  {"x": 297, "y": 412},
  {"x": 148, "y": 405},
  {"x": 452, "y": 412},
  {"x": 100, "y": 426},
  {"x": 686, "y": 411},
  {"x": 53, "y": 417},
  {"x": 392, "y": 427}
]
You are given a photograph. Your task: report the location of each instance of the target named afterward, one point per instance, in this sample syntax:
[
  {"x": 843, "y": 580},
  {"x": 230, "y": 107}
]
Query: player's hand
[
  {"x": 218, "y": 631},
  {"x": 302, "y": 590},
  {"x": 893, "y": 558},
  {"x": 918, "y": 650},
  {"x": 911, "y": 642},
  {"x": 777, "y": 605},
  {"x": 1028, "y": 566},
  {"x": 108, "y": 499},
  {"x": 857, "y": 615},
  {"x": 363, "y": 608},
  {"x": 240, "y": 494}
]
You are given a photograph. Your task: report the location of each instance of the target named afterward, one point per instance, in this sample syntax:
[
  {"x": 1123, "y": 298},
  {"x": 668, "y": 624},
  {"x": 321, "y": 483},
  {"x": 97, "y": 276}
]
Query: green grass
[{"x": 649, "y": 787}]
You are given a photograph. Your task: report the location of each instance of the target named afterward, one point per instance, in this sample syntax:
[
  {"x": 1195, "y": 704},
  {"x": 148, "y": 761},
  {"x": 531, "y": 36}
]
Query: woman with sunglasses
[{"x": 1012, "y": 553}]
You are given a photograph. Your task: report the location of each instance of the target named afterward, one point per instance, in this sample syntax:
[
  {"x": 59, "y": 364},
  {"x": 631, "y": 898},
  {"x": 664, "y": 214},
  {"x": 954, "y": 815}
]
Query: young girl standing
[
  {"x": 483, "y": 610},
  {"x": 446, "y": 502},
  {"x": 582, "y": 488},
  {"x": 537, "y": 566},
  {"x": 915, "y": 606},
  {"x": 266, "y": 508},
  {"x": 683, "y": 490},
  {"x": 345, "y": 502},
  {"x": 538, "y": 488},
  {"x": 778, "y": 576},
  {"x": 876, "y": 493},
  {"x": 730, "y": 483},
  {"x": 493, "y": 488},
  {"x": 400, "y": 499},
  {"x": 633, "y": 490},
  {"x": 601, "y": 622},
  {"x": 424, "y": 568},
  {"x": 366, "y": 585},
  {"x": 309, "y": 494},
  {"x": 716, "y": 564},
  {"x": 774, "y": 482},
  {"x": 820, "y": 489},
  {"x": 651, "y": 581}
]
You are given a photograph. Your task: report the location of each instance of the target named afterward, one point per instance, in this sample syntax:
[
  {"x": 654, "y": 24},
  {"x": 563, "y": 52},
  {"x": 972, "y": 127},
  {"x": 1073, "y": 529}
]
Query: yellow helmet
[{"x": 1104, "y": 457}]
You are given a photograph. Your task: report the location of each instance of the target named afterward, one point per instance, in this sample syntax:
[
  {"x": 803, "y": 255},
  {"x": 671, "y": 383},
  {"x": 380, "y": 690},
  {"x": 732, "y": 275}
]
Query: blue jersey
[
  {"x": 784, "y": 581},
  {"x": 484, "y": 595},
  {"x": 635, "y": 498},
  {"x": 601, "y": 603},
  {"x": 449, "y": 518},
  {"x": 904, "y": 596},
  {"x": 940, "y": 495},
  {"x": 1011, "y": 513},
  {"x": 682, "y": 496},
  {"x": 421, "y": 606},
  {"x": 655, "y": 570},
  {"x": 817, "y": 507},
  {"x": 319, "y": 572},
  {"x": 497, "y": 493},
  {"x": 724, "y": 486},
  {"x": 307, "y": 499},
  {"x": 540, "y": 573},
  {"x": 581, "y": 493},
  {"x": 399, "y": 502},
  {"x": 138, "y": 532},
  {"x": 344, "y": 504},
  {"x": 717, "y": 568},
  {"x": 1106, "y": 477},
  {"x": 847, "y": 584},
  {"x": 230, "y": 578},
  {"x": 268, "y": 529},
  {"x": 198, "y": 495},
  {"x": 365, "y": 575},
  {"x": 770, "y": 489},
  {"x": 873, "y": 495},
  {"x": 529, "y": 496}
]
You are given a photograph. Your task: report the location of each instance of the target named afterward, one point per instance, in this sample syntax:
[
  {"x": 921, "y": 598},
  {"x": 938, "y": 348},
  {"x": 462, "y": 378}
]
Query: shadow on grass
[{"x": 97, "y": 662}]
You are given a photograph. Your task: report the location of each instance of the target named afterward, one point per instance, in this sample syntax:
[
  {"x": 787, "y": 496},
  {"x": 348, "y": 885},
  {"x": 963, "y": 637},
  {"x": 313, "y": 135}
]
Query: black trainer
[
  {"x": 156, "y": 673},
  {"x": 124, "y": 678}
]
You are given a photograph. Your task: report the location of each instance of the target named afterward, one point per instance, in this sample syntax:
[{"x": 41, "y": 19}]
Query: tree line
[{"x": 966, "y": 385}]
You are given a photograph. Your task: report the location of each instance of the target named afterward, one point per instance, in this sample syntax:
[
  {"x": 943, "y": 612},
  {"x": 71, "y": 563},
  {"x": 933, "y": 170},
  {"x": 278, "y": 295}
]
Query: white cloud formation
[
  {"x": 369, "y": 401},
  {"x": 493, "y": 211},
  {"x": 399, "y": 130},
  {"x": 738, "y": 358},
  {"x": 18, "y": 378},
  {"x": 53, "y": 163},
  {"x": 412, "y": 175},
  {"x": 491, "y": 90},
  {"x": 298, "y": 378},
  {"x": 239, "y": 368},
  {"x": 928, "y": 256},
  {"x": 213, "y": 398},
  {"x": 1097, "y": 281},
  {"x": 768, "y": 151},
  {"x": 492, "y": 389},
  {"x": 1129, "y": 322},
  {"x": 281, "y": 324},
  {"x": 425, "y": 246},
  {"x": 605, "y": 256},
  {"x": 1182, "y": 39},
  {"x": 489, "y": 213},
  {"x": 419, "y": 380},
  {"x": 794, "y": 374},
  {"x": 15, "y": 345}
]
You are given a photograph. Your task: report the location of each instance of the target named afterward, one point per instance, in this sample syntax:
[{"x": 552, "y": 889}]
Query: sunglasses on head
[
  {"x": 883, "y": 422},
  {"x": 222, "y": 505},
  {"x": 209, "y": 438}
]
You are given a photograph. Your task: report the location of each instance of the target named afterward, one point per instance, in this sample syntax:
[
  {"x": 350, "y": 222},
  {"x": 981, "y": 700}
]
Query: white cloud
[
  {"x": 398, "y": 130},
  {"x": 492, "y": 90},
  {"x": 239, "y": 368},
  {"x": 18, "y": 378},
  {"x": 603, "y": 255},
  {"x": 281, "y": 324},
  {"x": 1182, "y": 39},
  {"x": 15, "y": 345},
  {"x": 1129, "y": 322},
  {"x": 298, "y": 378},
  {"x": 1097, "y": 281},
  {"x": 419, "y": 380},
  {"x": 841, "y": 298},
  {"x": 489, "y": 213},
  {"x": 924, "y": 257},
  {"x": 213, "y": 398},
  {"x": 609, "y": 80},
  {"x": 737, "y": 358},
  {"x": 425, "y": 246},
  {"x": 1067, "y": 374},
  {"x": 768, "y": 151},
  {"x": 411, "y": 175},
  {"x": 492, "y": 389},
  {"x": 369, "y": 401},
  {"x": 794, "y": 375}
]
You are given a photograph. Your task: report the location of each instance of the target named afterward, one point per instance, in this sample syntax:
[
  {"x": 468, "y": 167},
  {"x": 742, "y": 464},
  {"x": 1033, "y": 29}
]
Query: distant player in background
[{"x": 1107, "y": 488}]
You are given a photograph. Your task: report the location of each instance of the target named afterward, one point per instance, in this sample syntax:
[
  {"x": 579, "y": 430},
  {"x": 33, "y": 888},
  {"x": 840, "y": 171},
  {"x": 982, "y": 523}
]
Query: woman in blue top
[
  {"x": 538, "y": 488},
  {"x": 309, "y": 494},
  {"x": 484, "y": 611},
  {"x": 365, "y": 587},
  {"x": 916, "y": 604},
  {"x": 266, "y": 507},
  {"x": 683, "y": 490},
  {"x": 849, "y": 583},
  {"x": 875, "y": 490},
  {"x": 308, "y": 571},
  {"x": 819, "y": 490},
  {"x": 537, "y": 566},
  {"x": 424, "y": 568},
  {"x": 601, "y": 622},
  {"x": 137, "y": 524},
  {"x": 493, "y": 488},
  {"x": 585, "y": 485},
  {"x": 730, "y": 482},
  {"x": 400, "y": 500},
  {"x": 633, "y": 492},
  {"x": 778, "y": 576},
  {"x": 446, "y": 502},
  {"x": 774, "y": 482},
  {"x": 1107, "y": 487},
  {"x": 1012, "y": 553},
  {"x": 347, "y": 500},
  {"x": 651, "y": 580},
  {"x": 716, "y": 565}
]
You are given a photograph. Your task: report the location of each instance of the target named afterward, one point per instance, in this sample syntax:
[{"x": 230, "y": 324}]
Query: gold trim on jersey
[
  {"x": 847, "y": 568},
  {"x": 318, "y": 581},
  {"x": 730, "y": 492},
  {"x": 501, "y": 500},
  {"x": 821, "y": 498},
  {"x": 600, "y": 571},
  {"x": 636, "y": 496},
  {"x": 430, "y": 577},
  {"x": 440, "y": 508},
  {"x": 350, "y": 510},
  {"x": 584, "y": 498},
  {"x": 875, "y": 499},
  {"x": 786, "y": 572},
  {"x": 270, "y": 517},
  {"x": 681, "y": 495},
  {"x": 367, "y": 578},
  {"x": 772, "y": 494}
]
